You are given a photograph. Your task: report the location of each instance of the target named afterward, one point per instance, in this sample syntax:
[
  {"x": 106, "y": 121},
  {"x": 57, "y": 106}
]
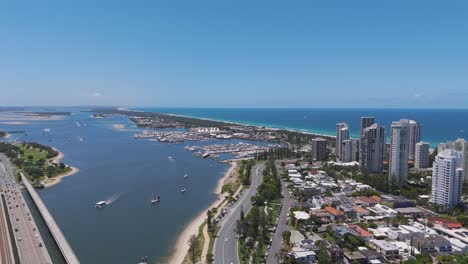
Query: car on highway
[{"x": 19, "y": 238}]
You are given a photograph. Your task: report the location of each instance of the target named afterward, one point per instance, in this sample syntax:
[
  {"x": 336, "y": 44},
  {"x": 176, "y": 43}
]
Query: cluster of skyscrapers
[{"x": 450, "y": 167}]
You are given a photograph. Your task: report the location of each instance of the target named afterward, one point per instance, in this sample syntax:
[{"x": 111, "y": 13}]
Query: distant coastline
[{"x": 432, "y": 139}]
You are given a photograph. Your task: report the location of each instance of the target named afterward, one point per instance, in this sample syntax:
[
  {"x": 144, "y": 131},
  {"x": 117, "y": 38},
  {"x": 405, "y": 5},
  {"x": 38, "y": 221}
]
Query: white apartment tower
[
  {"x": 421, "y": 156},
  {"x": 348, "y": 150},
  {"x": 415, "y": 137},
  {"x": 447, "y": 177},
  {"x": 399, "y": 152},
  {"x": 372, "y": 149},
  {"x": 342, "y": 134}
]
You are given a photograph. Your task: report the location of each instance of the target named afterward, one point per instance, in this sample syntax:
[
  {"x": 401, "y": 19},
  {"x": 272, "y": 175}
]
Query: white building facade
[
  {"x": 447, "y": 178},
  {"x": 399, "y": 152},
  {"x": 342, "y": 134}
]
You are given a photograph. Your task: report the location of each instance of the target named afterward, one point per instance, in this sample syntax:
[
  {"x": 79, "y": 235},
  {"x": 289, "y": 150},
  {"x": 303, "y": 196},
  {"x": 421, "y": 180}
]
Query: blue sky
[{"x": 235, "y": 53}]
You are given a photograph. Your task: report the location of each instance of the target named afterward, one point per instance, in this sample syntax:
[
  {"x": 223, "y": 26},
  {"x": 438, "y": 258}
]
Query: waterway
[{"x": 112, "y": 162}]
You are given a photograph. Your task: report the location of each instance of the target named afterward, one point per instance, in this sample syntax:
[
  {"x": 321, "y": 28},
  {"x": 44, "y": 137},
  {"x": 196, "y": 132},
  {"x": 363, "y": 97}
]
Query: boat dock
[{"x": 65, "y": 249}]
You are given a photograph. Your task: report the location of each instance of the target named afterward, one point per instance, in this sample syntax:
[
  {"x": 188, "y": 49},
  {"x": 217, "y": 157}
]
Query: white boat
[
  {"x": 169, "y": 158},
  {"x": 186, "y": 176},
  {"x": 183, "y": 190},
  {"x": 156, "y": 199},
  {"x": 101, "y": 204}
]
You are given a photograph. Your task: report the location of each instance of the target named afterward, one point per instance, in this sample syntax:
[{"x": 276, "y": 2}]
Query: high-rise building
[
  {"x": 342, "y": 134},
  {"x": 459, "y": 145},
  {"x": 415, "y": 137},
  {"x": 421, "y": 156},
  {"x": 465, "y": 161},
  {"x": 349, "y": 150},
  {"x": 319, "y": 149},
  {"x": 462, "y": 146},
  {"x": 372, "y": 149},
  {"x": 399, "y": 151},
  {"x": 365, "y": 122},
  {"x": 447, "y": 177}
]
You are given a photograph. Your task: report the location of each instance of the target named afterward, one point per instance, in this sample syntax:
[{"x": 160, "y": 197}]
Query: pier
[{"x": 65, "y": 249}]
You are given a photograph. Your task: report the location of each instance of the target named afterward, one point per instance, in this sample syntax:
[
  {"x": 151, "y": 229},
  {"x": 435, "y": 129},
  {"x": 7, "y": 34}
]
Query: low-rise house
[
  {"x": 412, "y": 212},
  {"x": 457, "y": 245},
  {"x": 333, "y": 213},
  {"x": 364, "y": 201},
  {"x": 397, "y": 233},
  {"x": 388, "y": 250},
  {"x": 414, "y": 231},
  {"x": 382, "y": 210},
  {"x": 431, "y": 244},
  {"x": 405, "y": 249},
  {"x": 360, "y": 232},
  {"x": 360, "y": 212},
  {"x": 397, "y": 201},
  {"x": 354, "y": 257},
  {"x": 335, "y": 252},
  {"x": 372, "y": 255},
  {"x": 302, "y": 255},
  {"x": 308, "y": 244}
]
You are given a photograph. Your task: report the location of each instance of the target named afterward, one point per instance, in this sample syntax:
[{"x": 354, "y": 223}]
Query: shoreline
[
  {"x": 49, "y": 182},
  {"x": 181, "y": 247},
  {"x": 243, "y": 124},
  {"x": 57, "y": 179}
]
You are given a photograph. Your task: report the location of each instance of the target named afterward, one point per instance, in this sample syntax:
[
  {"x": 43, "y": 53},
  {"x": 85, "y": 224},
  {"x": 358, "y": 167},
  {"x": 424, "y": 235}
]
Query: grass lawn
[{"x": 36, "y": 153}]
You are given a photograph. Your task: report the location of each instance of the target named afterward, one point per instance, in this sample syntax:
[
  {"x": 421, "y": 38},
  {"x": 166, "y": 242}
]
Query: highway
[
  {"x": 28, "y": 240},
  {"x": 6, "y": 250},
  {"x": 225, "y": 247}
]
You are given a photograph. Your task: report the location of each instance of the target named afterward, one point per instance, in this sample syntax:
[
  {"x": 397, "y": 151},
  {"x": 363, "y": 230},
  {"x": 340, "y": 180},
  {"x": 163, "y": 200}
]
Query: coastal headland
[{"x": 41, "y": 164}]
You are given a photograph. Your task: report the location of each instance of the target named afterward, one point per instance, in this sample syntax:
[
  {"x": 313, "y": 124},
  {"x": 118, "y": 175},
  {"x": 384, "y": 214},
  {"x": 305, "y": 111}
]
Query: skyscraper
[
  {"x": 365, "y": 122},
  {"x": 348, "y": 150},
  {"x": 415, "y": 137},
  {"x": 421, "y": 156},
  {"x": 342, "y": 133},
  {"x": 460, "y": 145},
  {"x": 319, "y": 149},
  {"x": 372, "y": 149},
  {"x": 399, "y": 151},
  {"x": 447, "y": 177},
  {"x": 465, "y": 161}
]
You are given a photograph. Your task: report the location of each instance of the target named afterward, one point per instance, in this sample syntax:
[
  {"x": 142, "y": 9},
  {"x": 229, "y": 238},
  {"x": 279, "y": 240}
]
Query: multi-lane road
[
  {"x": 6, "y": 249},
  {"x": 282, "y": 226},
  {"x": 225, "y": 247},
  {"x": 28, "y": 240}
]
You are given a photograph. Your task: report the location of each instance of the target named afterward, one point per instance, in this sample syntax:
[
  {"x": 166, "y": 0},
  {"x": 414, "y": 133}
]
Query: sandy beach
[
  {"x": 57, "y": 179},
  {"x": 181, "y": 247}
]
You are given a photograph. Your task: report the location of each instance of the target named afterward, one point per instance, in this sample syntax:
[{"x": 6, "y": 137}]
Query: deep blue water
[
  {"x": 438, "y": 125},
  {"x": 111, "y": 161}
]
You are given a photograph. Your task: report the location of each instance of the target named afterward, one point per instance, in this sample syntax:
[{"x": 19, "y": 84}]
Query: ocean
[{"x": 438, "y": 125}]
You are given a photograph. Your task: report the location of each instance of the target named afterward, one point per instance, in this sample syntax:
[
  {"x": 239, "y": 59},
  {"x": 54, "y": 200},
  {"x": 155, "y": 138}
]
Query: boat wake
[{"x": 112, "y": 198}]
